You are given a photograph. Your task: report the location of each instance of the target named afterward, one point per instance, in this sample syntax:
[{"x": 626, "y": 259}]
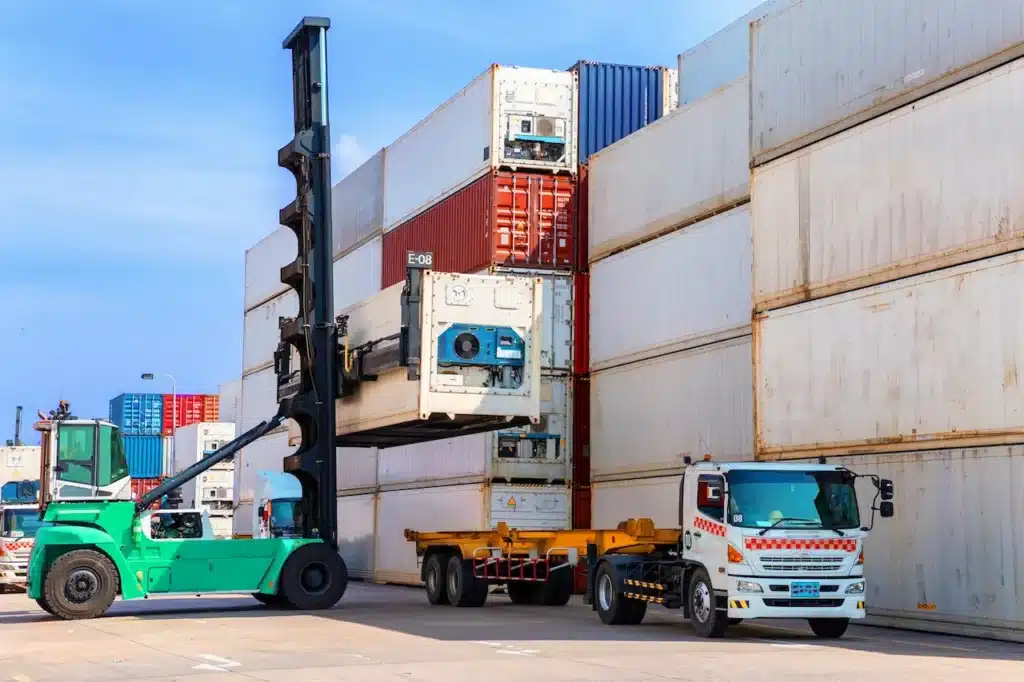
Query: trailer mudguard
[{"x": 53, "y": 541}]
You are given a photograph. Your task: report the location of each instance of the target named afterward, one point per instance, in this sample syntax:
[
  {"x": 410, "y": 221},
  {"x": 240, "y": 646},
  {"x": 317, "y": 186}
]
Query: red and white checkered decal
[
  {"x": 710, "y": 526},
  {"x": 17, "y": 545},
  {"x": 835, "y": 544}
]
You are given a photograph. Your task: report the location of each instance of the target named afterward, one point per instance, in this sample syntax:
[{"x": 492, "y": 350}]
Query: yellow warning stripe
[
  {"x": 739, "y": 604},
  {"x": 644, "y": 597},
  {"x": 641, "y": 583}
]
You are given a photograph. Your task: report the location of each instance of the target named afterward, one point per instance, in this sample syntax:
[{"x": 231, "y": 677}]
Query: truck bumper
[
  {"x": 13, "y": 575},
  {"x": 777, "y": 600}
]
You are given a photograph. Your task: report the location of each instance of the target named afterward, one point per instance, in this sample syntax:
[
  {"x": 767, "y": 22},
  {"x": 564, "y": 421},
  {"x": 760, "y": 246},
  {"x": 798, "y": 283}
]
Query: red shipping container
[
  {"x": 581, "y": 323},
  {"x": 141, "y": 486},
  {"x": 581, "y": 431},
  {"x": 189, "y": 411},
  {"x": 514, "y": 219},
  {"x": 211, "y": 408},
  {"x": 583, "y": 218}
]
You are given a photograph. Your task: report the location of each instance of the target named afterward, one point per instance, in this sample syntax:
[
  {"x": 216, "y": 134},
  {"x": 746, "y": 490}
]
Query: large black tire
[
  {"x": 45, "y": 605},
  {"x": 612, "y": 607},
  {"x": 557, "y": 590},
  {"x": 462, "y": 586},
  {"x": 313, "y": 578},
  {"x": 523, "y": 593},
  {"x": 708, "y": 620},
  {"x": 829, "y": 628},
  {"x": 271, "y": 600},
  {"x": 435, "y": 575},
  {"x": 80, "y": 584}
]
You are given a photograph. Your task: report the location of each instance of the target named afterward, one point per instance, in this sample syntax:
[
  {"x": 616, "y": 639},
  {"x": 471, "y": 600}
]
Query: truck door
[{"x": 703, "y": 523}]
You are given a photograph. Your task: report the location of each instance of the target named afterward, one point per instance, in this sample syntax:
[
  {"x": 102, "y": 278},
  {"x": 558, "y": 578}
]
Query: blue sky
[{"x": 138, "y": 149}]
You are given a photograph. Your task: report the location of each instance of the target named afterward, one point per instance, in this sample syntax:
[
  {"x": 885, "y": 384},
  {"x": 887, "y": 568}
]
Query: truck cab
[
  {"x": 19, "y": 522},
  {"x": 277, "y": 510},
  {"x": 757, "y": 540}
]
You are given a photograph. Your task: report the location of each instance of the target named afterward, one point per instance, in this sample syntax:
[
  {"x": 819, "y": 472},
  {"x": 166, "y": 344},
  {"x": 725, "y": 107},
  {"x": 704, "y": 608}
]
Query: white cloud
[{"x": 347, "y": 155}]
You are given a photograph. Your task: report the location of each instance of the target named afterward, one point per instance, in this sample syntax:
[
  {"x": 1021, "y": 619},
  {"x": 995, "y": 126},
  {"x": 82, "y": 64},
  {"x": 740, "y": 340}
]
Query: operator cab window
[
  {"x": 176, "y": 525},
  {"x": 711, "y": 496}
]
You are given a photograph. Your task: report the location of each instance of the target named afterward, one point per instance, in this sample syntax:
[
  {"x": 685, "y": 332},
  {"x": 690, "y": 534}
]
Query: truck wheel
[
  {"x": 45, "y": 605},
  {"x": 829, "y": 628},
  {"x": 313, "y": 578},
  {"x": 707, "y": 620},
  {"x": 462, "y": 586},
  {"x": 271, "y": 600},
  {"x": 612, "y": 606},
  {"x": 436, "y": 579},
  {"x": 557, "y": 589},
  {"x": 523, "y": 593},
  {"x": 80, "y": 584}
]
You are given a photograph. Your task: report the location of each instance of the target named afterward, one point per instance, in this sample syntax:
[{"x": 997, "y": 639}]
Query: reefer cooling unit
[{"x": 437, "y": 356}]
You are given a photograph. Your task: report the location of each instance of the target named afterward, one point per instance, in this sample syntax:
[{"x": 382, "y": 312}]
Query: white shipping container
[
  {"x": 646, "y": 417},
  {"x": 356, "y": 469},
  {"x": 241, "y": 520},
  {"x": 265, "y": 454},
  {"x": 460, "y": 507},
  {"x": 722, "y": 58},
  {"x": 487, "y": 456},
  {"x": 357, "y": 538},
  {"x": 231, "y": 400},
  {"x": 259, "y": 399},
  {"x": 680, "y": 169},
  {"x": 263, "y": 263},
  {"x": 357, "y": 204},
  {"x": 883, "y": 201},
  {"x": 822, "y": 66},
  {"x": 700, "y": 273},
  {"x": 357, "y": 276},
  {"x": 20, "y": 463},
  {"x": 928, "y": 361},
  {"x": 557, "y": 326},
  {"x": 492, "y": 122},
  {"x": 638, "y": 498}
]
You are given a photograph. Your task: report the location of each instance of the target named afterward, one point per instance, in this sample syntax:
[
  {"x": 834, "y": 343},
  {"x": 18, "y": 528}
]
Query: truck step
[
  {"x": 644, "y": 597},
  {"x": 641, "y": 583}
]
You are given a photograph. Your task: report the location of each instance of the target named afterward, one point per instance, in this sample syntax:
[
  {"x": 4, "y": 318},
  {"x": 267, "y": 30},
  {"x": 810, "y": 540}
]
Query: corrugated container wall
[
  {"x": 357, "y": 540},
  {"x": 139, "y": 414},
  {"x": 616, "y": 100},
  {"x": 928, "y": 361},
  {"x": 145, "y": 455},
  {"x": 883, "y": 200},
  {"x": 678, "y": 170},
  {"x": 822, "y": 66},
  {"x": 191, "y": 409},
  {"x": 358, "y": 204},
  {"x": 701, "y": 273},
  {"x": 722, "y": 58},
  {"x": 263, "y": 263},
  {"x": 230, "y": 401},
  {"x": 647, "y": 416},
  {"x": 651, "y": 498},
  {"x": 497, "y": 121},
  {"x": 505, "y": 218}
]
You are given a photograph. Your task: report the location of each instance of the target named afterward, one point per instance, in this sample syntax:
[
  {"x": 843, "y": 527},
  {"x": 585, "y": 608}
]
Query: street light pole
[{"x": 174, "y": 419}]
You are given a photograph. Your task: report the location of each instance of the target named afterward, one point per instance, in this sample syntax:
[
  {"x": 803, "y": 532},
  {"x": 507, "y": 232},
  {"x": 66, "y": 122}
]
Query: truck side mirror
[
  {"x": 885, "y": 509},
  {"x": 885, "y": 489}
]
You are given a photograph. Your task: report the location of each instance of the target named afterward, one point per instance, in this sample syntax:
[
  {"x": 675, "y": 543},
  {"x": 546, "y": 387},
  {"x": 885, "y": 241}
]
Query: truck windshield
[
  {"x": 807, "y": 499},
  {"x": 285, "y": 517},
  {"x": 18, "y": 521}
]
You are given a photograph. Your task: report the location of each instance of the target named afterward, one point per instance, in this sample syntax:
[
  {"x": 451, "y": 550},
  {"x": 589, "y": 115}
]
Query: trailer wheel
[
  {"x": 612, "y": 606},
  {"x": 80, "y": 584},
  {"x": 313, "y": 578},
  {"x": 436, "y": 577},
  {"x": 522, "y": 593},
  {"x": 829, "y": 628},
  {"x": 707, "y": 619},
  {"x": 462, "y": 586},
  {"x": 556, "y": 590}
]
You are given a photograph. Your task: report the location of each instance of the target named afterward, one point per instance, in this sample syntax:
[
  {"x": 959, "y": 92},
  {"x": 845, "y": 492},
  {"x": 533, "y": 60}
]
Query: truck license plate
[{"x": 805, "y": 590}]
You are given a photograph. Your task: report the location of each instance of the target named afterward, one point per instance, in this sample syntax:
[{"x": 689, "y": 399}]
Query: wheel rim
[
  {"x": 702, "y": 602},
  {"x": 453, "y": 581},
  {"x": 432, "y": 578},
  {"x": 604, "y": 593},
  {"x": 81, "y": 585},
  {"x": 315, "y": 578}
]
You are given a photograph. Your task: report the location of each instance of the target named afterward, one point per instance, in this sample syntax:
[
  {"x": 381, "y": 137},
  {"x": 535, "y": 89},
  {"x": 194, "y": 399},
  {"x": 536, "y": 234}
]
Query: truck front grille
[
  {"x": 791, "y": 564},
  {"x": 805, "y": 603}
]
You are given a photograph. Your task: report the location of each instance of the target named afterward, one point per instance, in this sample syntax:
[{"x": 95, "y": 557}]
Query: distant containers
[
  {"x": 138, "y": 414},
  {"x": 509, "y": 117},
  {"x": 145, "y": 455},
  {"x": 808, "y": 81},
  {"x": 141, "y": 486},
  {"x": 516, "y": 219},
  {"x": 617, "y": 99},
  {"x": 359, "y": 205},
  {"x": 191, "y": 410}
]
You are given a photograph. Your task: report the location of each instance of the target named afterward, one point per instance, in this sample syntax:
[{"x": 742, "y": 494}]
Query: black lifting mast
[{"x": 307, "y": 394}]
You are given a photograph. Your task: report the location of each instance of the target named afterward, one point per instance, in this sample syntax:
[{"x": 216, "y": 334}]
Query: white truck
[
  {"x": 277, "y": 508},
  {"x": 19, "y": 521},
  {"x": 755, "y": 540},
  {"x": 213, "y": 491}
]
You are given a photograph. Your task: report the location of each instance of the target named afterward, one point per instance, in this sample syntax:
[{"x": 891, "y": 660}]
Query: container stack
[
  {"x": 139, "y": 416},
  {"x": 887, "y": 270}
]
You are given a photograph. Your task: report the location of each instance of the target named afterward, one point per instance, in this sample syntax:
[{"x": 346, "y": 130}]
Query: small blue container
[
  {"x": 138, "y": 414},
  {"x": 145, "y": 455}
]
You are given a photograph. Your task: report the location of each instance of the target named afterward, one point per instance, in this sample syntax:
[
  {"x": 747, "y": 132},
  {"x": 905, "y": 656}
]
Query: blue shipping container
[
  {"x": 145, "y": 455},
  {"x": 616, "y": 100},
  {"x": 138, "y": 414}
]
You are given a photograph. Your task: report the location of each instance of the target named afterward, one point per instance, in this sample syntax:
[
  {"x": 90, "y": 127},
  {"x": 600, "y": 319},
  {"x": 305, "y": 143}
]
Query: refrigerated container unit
[
  {"x": 616, "y": 100},
  {"x": 144, "y": 454},
  {"x": 509, "y": 117},
  {"x": 806, "y": 84},
  {"x": 20, "y": 462},
  {"x": 513, "y": 219},
  {"x": 138, "y": 414},
  {"x": 213, "y": 490},
  {"x": 459, "y": 507},
  {"x": 882, "y": 200}
]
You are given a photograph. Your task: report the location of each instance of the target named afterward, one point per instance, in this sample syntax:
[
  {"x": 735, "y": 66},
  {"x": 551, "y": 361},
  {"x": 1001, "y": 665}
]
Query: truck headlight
[
  {"x": 8, "y": 567},
  {"x": 856, "y": 588},
  {"x": 747, "y": 586}
]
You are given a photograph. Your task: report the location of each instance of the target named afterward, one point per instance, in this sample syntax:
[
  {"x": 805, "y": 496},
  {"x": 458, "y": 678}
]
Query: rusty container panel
[
  {"x": 929, "y": 361},
  {"x": 883, "y": 201},
  {"x": 510, "y": 219}
]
